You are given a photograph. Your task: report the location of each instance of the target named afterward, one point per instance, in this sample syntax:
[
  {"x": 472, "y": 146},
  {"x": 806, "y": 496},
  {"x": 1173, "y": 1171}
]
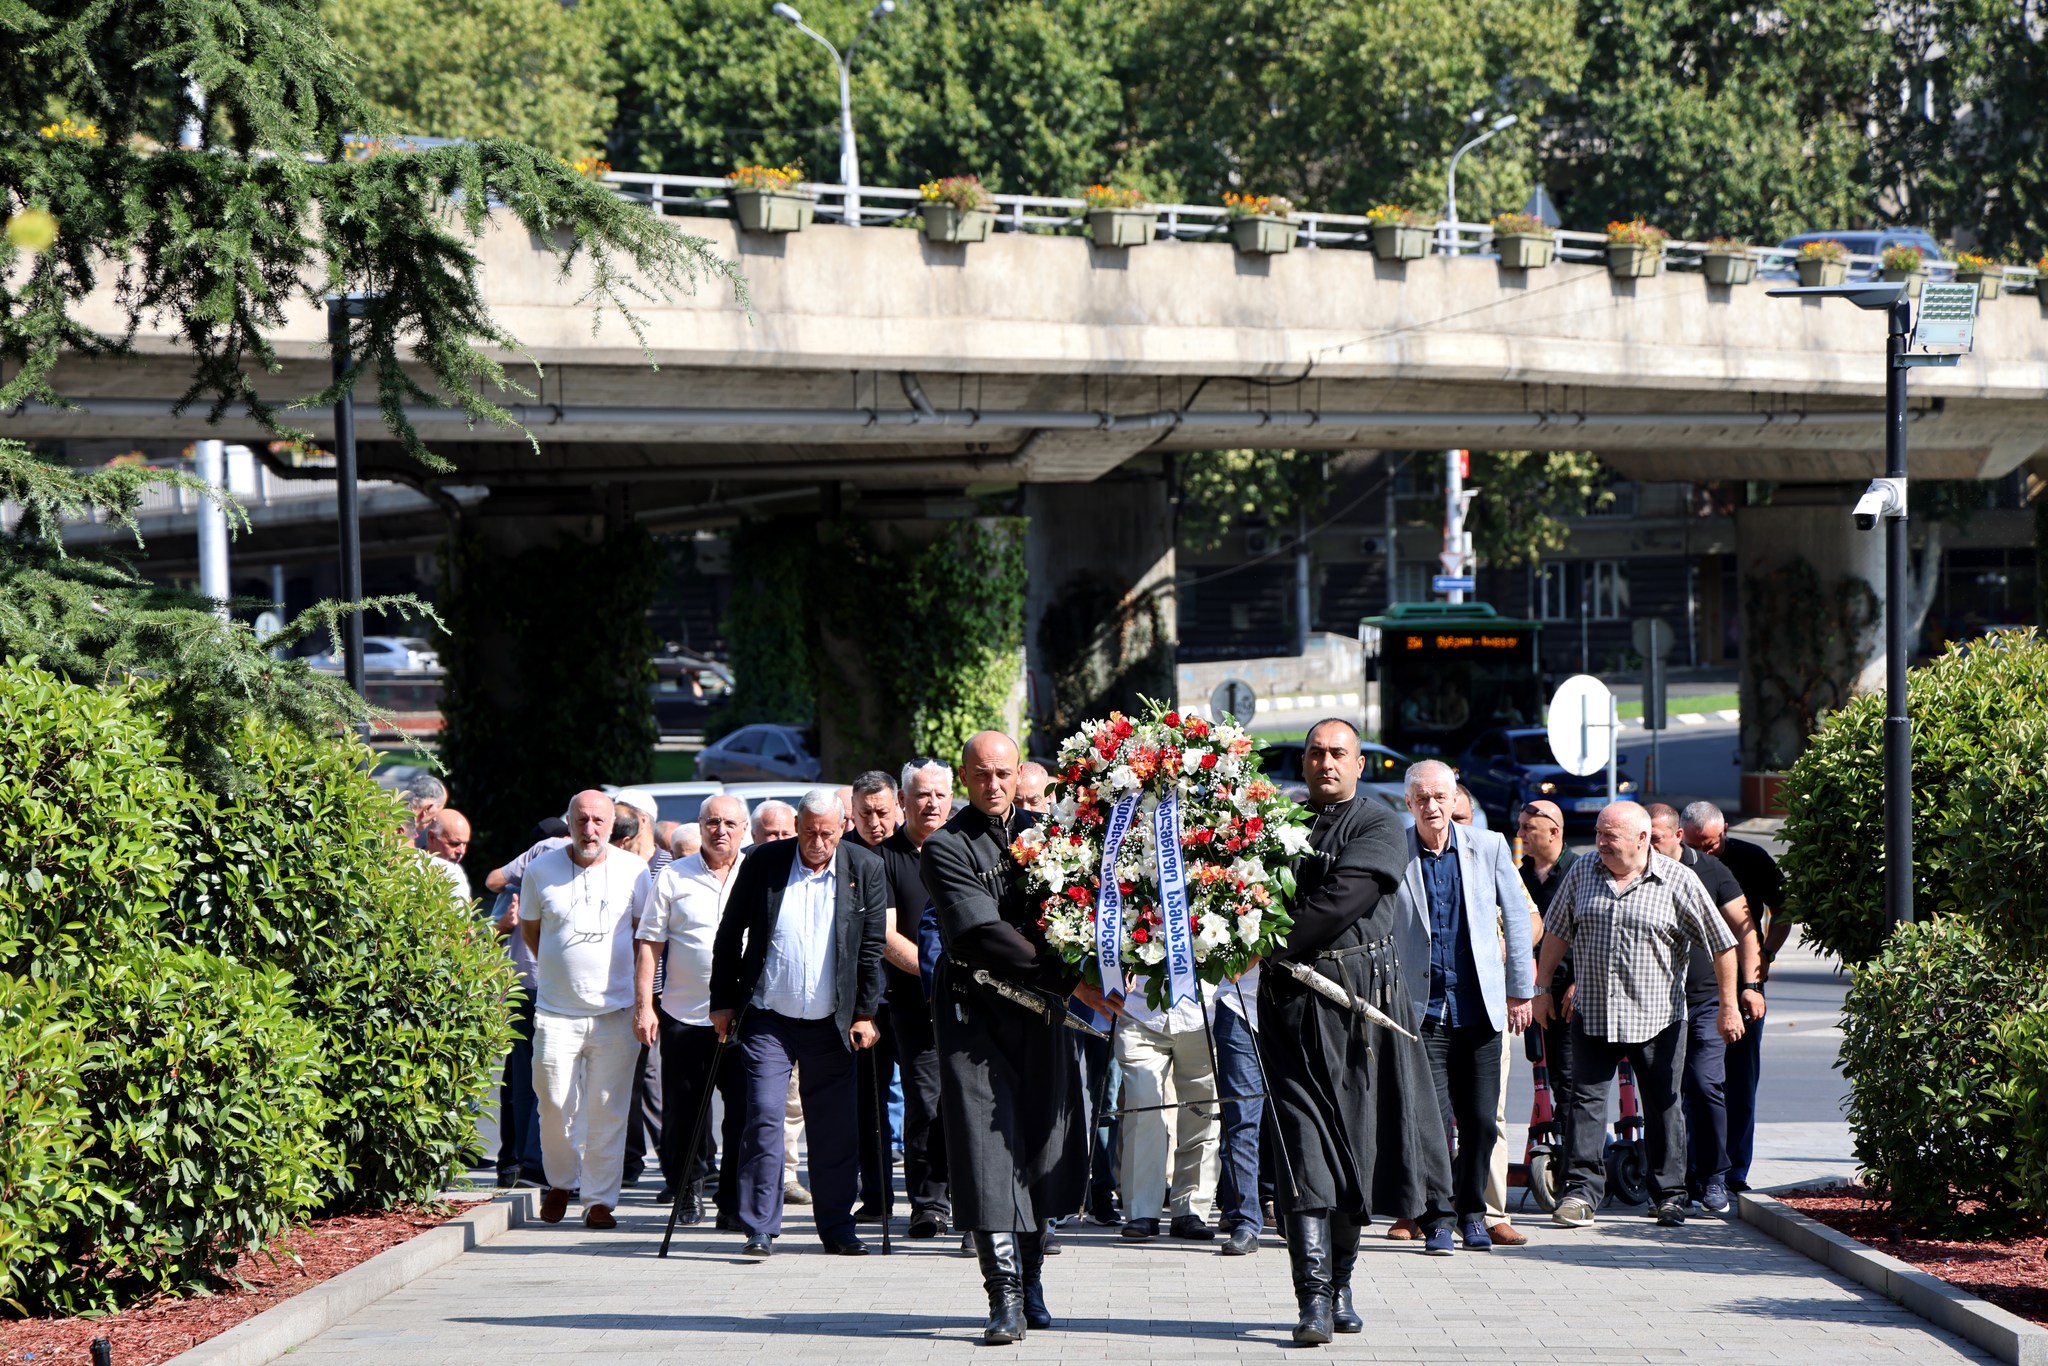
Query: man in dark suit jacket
[{"x": 799, "y": 958}]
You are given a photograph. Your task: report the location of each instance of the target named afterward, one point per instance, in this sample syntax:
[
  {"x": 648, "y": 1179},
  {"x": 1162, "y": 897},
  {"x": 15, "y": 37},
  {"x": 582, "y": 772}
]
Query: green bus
[{"x": 1448, "y": 671}]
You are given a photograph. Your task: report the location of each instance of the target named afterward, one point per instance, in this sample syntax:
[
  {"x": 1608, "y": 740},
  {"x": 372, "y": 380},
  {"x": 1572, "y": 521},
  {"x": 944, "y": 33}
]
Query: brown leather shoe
[
  {"x": 1403, "y": 1230},
  {"x": 599, "y": 1216},
  {"x": 554, "y": 1203},
  {"x": 1505, "y": 1234}
]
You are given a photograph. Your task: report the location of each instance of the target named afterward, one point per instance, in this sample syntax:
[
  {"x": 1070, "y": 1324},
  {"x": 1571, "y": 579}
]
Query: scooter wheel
[
  {"x": 1543, "y": 1180},
  {"x": 1628, "y": 1173}
]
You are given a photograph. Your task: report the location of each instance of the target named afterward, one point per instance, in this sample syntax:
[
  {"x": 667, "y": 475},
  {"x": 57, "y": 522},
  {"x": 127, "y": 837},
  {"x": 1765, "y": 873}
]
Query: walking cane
[
  {"x": 703, "y": 1116},
  {"x": 888, "y": 1192}
]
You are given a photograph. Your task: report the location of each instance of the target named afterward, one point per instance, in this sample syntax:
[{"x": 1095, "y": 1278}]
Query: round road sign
[
  {"x": 1234, "y": 697},
  {"x": 1582, "y": 725}
]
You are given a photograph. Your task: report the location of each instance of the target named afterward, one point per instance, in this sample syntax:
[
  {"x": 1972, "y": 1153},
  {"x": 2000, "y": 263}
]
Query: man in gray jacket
[{"x": 1459, "y": 895}]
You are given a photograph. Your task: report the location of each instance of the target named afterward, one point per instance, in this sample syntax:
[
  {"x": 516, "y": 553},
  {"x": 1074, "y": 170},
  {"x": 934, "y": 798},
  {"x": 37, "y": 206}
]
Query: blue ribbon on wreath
[
  {"x": 1109, "y": 901},
  {"x": 1173, "y": 902}
]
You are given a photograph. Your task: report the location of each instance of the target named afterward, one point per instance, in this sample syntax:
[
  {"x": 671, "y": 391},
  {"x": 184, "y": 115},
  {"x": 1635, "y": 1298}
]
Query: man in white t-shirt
[
  {"x": 445, "y": 838},
  {"x": 680, "y": 918},
  {"x": 576, "y": 916}
]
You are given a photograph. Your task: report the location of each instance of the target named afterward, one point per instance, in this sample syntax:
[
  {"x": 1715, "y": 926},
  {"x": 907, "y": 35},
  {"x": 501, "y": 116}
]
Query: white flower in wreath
[
  {"x": 1152, "y": 952},
  {"x": 1249, "y": 927},
  {"x": 1294, "y": 840},
  {"x": 1055, "y": 876},
  {"x": 1191, "y": 760},
  {"x": 1214, "y": 934},
  {"x": 1248, "y": 870},
  {"x": 1121, "y": 779},
  {"x": 1063, "y": 812},
  {"x": 1246, "y": 806}
]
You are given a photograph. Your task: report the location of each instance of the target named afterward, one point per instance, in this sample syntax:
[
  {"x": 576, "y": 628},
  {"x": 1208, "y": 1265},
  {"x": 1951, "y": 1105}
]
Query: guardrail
[{"x": 881, "y": 205}]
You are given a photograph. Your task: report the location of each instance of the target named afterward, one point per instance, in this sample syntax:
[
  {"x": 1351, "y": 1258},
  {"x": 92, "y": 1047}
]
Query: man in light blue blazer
[{"x": 1460, "y": 894}]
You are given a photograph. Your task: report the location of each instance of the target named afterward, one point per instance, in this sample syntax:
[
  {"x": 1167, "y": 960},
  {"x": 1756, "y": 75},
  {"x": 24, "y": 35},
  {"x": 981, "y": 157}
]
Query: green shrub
[
  {"x": 86, "y": 790},
  {"x": 1921, "y": 1050},
  {"x": 408, "y": 989},
  {"x": 1980, "y": 789},
  {"x": 46, "y": 1180},
  {"x": 2022, "y": 1094}
]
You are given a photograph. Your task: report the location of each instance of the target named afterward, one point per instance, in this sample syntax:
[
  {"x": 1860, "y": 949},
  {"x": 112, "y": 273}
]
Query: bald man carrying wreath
[{"x": 1633, "y": 916}]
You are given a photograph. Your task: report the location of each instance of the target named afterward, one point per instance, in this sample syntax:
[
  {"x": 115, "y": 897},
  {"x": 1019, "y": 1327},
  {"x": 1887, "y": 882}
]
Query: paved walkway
[{"x": 1623, "y": 1290}]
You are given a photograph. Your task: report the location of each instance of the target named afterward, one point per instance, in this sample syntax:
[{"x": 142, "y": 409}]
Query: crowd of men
[{"x": 870, "y": 948}]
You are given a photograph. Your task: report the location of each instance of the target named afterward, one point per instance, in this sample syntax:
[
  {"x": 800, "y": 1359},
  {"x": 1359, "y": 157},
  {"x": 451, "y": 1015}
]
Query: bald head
[
  {"x": 1541, "y": 826},
  {"x": 988, "y": 765},
  {"x": 722, "y": 826},
  {"x": 590, "y": 825},
  {"x": 448, "y": 834},
  {"x": 1032, "y": 781},
  {"x": 1665, "y": 829},
  {"x": 1622, "y": 835}
]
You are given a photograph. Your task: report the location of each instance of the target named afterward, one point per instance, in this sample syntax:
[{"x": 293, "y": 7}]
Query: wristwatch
[{"x": 1757, "y": 987}]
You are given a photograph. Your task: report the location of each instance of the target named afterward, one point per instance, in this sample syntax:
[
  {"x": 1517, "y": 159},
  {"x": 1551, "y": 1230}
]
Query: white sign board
[
  {"x": 1234, "y": 697},
  {"x": 1582, "y": 725}
]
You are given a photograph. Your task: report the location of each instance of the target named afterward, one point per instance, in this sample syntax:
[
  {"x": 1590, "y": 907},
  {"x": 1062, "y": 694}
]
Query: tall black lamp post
[
  {"x": 1951, "y": 308},
  {"x": 341, "y": 308}
]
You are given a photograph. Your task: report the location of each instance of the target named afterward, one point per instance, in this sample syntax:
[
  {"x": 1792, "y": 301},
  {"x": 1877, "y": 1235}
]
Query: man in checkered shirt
[{"x": 1630, "y": 918}]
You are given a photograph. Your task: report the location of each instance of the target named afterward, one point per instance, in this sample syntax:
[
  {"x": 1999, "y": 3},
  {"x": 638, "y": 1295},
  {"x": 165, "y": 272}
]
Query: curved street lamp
[
  {"x": 849, "y": 159},
  {"x": 1505, "y": 121}
]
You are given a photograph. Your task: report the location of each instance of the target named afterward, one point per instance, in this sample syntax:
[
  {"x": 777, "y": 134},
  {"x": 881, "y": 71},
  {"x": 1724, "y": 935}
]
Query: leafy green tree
[
  {"x": 1022, "y": 92},
  {"x": 534, "y": 71},
  {"x": 1526, "y": 500},
  {"x": 1720, "y": 117},
  {"x": 1345, "y": 106},
  {"x": 1223, "y": 490}
]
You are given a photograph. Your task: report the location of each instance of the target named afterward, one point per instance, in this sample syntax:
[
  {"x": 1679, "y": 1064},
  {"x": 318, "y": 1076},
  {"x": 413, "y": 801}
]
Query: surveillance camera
[{"x": 1884, "y": 498}]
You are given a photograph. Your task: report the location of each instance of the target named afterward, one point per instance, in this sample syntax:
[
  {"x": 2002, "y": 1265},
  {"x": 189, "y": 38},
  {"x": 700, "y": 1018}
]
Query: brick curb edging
[
  {"x": 311, "y": 1312},
  {"x": 1998, "y": 1331}
]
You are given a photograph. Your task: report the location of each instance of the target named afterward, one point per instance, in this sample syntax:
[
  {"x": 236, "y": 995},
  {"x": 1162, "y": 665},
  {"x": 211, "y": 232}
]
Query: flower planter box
[
  {"x": 772, "y": 210},
  {"x": 1913, "y": 280},
  {"x": 1525, "y": 251},
  {"x": 1728, "y": 267},
  {"x": 1987, "y": 281},
  {"x": 1813, "y": 271},
  {"x": 1398, "y": 242},
  {"x": 1263, "y": 235},
  {"x": 1632, "y": 260},
  {"x": 953, "y": 225},
  {"x": 1122, "y": 227}
]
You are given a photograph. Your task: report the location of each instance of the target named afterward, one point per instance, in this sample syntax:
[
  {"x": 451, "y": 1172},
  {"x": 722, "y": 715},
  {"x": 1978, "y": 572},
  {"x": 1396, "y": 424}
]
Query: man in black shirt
[
  {"x": 873, "y": 815},
  {"x": 927, "y": 797},
  {"x": 1763, "y": 887},
  {"x": 1545, "y": 860},
  {"x": 1706, "y": 1054}
]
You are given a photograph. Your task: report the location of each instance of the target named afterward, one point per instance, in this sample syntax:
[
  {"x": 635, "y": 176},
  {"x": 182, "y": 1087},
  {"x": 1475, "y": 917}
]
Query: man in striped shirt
[{"x": 1630, "y": 918}]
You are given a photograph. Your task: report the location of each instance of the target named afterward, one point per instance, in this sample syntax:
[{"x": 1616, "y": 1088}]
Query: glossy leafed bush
[{"x": 1980, "y": 803}]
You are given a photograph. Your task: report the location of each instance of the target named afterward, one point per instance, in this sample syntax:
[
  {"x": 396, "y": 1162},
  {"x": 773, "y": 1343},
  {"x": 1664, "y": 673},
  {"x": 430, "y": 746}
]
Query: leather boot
[
  {"x": 1344, "y": 1233},
  {"x": 1308, "y": 1255},
  {"x": 1032, "y": 1248},
  {"x": 691, "y": 1198},
  {"x": 1002, "y": 1275}
]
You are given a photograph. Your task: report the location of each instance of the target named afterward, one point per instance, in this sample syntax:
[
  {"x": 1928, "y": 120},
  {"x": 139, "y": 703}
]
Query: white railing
[{"x": 880, "y": 205}]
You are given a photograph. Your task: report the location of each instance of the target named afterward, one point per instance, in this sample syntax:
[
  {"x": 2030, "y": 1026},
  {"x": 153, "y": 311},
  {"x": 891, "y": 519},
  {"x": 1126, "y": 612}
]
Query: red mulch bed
[
  {"x": 159, "y": 1330},
  {"x": 2011, "y": 1273}
]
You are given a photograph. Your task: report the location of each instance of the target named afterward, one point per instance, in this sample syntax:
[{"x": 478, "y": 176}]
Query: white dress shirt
[
  {"x": 682, "y": 910},
  {"x": 798, "y": 976},
  {"x": 1184, "y": 1018}
]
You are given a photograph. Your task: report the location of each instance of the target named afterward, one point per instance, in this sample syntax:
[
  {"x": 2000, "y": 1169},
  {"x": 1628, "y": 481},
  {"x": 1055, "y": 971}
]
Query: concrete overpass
[{"x": 906, "y": 372}]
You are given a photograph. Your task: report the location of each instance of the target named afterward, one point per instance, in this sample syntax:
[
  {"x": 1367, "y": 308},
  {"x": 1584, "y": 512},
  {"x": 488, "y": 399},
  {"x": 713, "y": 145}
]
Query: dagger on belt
[
  {"x": 1338, "y": 993},
  {"x": 1032, "y": 1001}
]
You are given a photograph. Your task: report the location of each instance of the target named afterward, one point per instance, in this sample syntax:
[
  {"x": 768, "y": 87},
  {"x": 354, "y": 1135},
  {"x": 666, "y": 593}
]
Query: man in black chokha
[
  {"x": 1010, "y": 1095},
  {"x": 1353, "y": 1102}
]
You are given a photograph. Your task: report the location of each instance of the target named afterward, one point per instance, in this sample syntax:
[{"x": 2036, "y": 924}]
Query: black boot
[
  {"x": 1344, "y": 1231},
  {"x": 1308, "y": 1254},
  {"x": 691, "y": 1200},
  {"x": 1032, "y": 1247},
  {"x": 1002, "y": 1274}
]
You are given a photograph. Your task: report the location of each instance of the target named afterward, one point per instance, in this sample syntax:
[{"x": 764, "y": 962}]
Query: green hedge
[
  {"x": 1929, "y": 1055},
  {"x": 239, "y": 1009},
  {"x": 1980, "y": 803}
]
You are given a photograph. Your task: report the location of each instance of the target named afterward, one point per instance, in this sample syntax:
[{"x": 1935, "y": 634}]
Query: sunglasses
[{"x": 1534, "y": 810}]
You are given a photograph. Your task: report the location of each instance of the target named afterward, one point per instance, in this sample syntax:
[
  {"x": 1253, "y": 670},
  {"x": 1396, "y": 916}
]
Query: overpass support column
[
  {"x": 1101, "y": 625},
  {"x": 1810, "y": 589}
]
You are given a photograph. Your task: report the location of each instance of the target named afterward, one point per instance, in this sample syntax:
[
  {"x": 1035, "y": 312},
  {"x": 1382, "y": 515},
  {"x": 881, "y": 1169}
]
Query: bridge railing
[{"x": 881, "y": 205}]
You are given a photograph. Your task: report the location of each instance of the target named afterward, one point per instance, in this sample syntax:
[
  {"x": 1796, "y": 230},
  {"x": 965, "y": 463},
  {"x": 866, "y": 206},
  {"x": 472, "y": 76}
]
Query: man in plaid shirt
[{"x": 1630, "y": 918}]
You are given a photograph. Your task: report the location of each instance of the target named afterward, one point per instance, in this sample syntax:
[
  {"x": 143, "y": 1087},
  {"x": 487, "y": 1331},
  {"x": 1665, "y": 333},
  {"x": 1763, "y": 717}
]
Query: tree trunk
[{"x": 1924, "y": 586}]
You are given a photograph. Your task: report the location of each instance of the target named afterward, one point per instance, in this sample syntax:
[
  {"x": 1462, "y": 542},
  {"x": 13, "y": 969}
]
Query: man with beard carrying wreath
[
  {"x": 1353, "y": 1102},
  {"x": 1010, "y": 1094}
]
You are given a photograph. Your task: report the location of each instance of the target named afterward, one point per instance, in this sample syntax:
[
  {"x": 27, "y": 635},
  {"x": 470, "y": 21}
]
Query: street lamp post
[
  {"x": 1505, "y": 121},
  {"x": 1885, "y": 499},
  {"x": 341, "y": 308},
  {"x": 849, "y": 159}
]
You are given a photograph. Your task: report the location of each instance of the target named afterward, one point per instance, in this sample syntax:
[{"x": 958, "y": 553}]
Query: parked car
[
  {"x": 1506, "y": 767},
  {"x": 386, "y": 652},
  {"x": 763, "y": 752},
  {"x": 677, "y": 801},
  {"x": 1863, "y": 242},
  {"x": 688, "y": 688},
  {"x": 1384, "y": 770}
]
